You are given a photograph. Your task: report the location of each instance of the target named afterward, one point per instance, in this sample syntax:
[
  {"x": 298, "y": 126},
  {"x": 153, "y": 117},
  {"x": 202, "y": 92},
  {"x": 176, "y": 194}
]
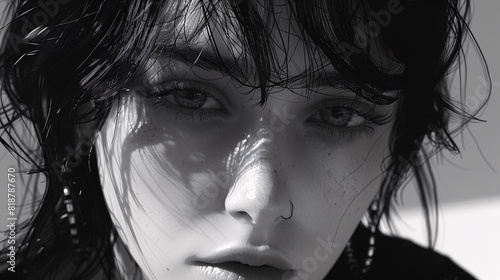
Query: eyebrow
[
  {"x": 202, "y": 58},
  {"x": 208, "y": 60}
]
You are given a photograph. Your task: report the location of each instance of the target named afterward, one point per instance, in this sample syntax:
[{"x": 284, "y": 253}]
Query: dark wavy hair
[{"x": 63, "y": 63}]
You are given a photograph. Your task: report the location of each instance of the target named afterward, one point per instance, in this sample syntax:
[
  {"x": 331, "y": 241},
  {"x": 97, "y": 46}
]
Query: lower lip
[{"x": 238, "y": 271}]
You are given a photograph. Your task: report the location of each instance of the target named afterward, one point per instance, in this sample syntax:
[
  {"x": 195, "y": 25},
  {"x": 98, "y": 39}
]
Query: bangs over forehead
[{"x": 266, "y": 44}]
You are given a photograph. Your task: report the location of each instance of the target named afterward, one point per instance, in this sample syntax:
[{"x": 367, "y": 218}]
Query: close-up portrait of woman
[{"x": 227, "y": 139}]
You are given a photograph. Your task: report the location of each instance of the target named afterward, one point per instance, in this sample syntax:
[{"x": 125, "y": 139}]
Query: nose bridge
[
  {"x": 258, "y": 146},
  {"x": 258, "y": 194}
]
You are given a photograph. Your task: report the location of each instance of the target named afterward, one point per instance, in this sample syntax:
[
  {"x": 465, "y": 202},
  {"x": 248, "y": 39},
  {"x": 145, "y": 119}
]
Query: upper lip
[{"x": 252, "y": 256}]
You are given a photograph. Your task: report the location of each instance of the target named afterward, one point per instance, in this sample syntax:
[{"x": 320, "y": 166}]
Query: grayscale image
[{"x": 249, "y": 140}]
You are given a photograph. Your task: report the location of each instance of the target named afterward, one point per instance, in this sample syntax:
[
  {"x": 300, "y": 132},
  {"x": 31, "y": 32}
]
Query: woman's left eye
[
  {"x": 341, "y": 117},
  {"x": 347, "y": 118},
  {"x": 188, "y": 100}
]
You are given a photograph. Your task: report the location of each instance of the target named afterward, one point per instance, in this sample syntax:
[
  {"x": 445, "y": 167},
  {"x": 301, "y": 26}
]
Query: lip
[{"x": 244, "y": 263}]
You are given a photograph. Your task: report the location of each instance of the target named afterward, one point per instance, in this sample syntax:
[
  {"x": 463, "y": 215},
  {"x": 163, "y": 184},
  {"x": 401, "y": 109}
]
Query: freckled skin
[{"x": 178, "y": 188}]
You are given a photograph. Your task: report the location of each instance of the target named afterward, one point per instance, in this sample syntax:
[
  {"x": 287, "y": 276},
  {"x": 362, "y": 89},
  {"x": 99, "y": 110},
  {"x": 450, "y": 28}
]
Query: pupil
[
  {"x": 336, "y": 116},
  {"x": 190, "y": 100}
]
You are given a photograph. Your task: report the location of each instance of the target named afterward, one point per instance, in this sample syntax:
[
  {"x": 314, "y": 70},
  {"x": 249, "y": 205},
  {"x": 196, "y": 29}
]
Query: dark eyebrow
[
  {"x": 207, "y": 60},
  {"x": 202, "y": 58}
]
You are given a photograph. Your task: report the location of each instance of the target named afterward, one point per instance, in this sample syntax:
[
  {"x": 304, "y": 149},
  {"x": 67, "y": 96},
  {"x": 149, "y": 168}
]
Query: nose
[{"x": 258, "y": 195}]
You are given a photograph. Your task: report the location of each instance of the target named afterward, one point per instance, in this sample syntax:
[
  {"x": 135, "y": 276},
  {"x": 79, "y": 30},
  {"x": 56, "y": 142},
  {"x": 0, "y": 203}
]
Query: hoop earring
[{"x": 359, "y": 270}]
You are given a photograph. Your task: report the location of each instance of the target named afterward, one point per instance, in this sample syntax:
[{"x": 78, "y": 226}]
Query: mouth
[
  {"x": 239, "y": 271},
  {"x": 244, "y": 263}
]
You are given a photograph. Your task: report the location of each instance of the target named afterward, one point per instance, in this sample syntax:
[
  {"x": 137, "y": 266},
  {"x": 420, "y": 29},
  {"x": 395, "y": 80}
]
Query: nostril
[{"x": 243, "y": 216}]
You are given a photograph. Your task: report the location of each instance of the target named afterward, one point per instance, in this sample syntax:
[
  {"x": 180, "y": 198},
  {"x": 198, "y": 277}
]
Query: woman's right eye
[{"x": 188, "y": 100}]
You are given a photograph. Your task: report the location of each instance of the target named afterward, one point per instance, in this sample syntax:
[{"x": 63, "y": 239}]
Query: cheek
[
  {"x": 154, "y": 171},
  {"x": 146, "y": 165},
  {"x": 345, "y": 178},
  {"x": 152, "y": 179}
]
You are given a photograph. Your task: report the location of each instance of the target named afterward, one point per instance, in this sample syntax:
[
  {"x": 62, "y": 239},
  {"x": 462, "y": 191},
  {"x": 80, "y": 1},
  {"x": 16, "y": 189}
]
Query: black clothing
[{"x": 397, "y": 259}]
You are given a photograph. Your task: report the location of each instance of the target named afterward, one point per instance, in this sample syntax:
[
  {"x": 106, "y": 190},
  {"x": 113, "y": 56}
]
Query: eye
[
  {"x": 189, "y": 100},
  {"x": 188, "y": 95},
  {"x": 341, "y": 117},
  {"x": 346, "y": 118}
]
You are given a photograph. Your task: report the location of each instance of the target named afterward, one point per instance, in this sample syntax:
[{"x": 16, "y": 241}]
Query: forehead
[{"x": 270, "y": 35}]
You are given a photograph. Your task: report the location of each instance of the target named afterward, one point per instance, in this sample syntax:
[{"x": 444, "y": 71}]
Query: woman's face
[{"x": 203, "y": 184}]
